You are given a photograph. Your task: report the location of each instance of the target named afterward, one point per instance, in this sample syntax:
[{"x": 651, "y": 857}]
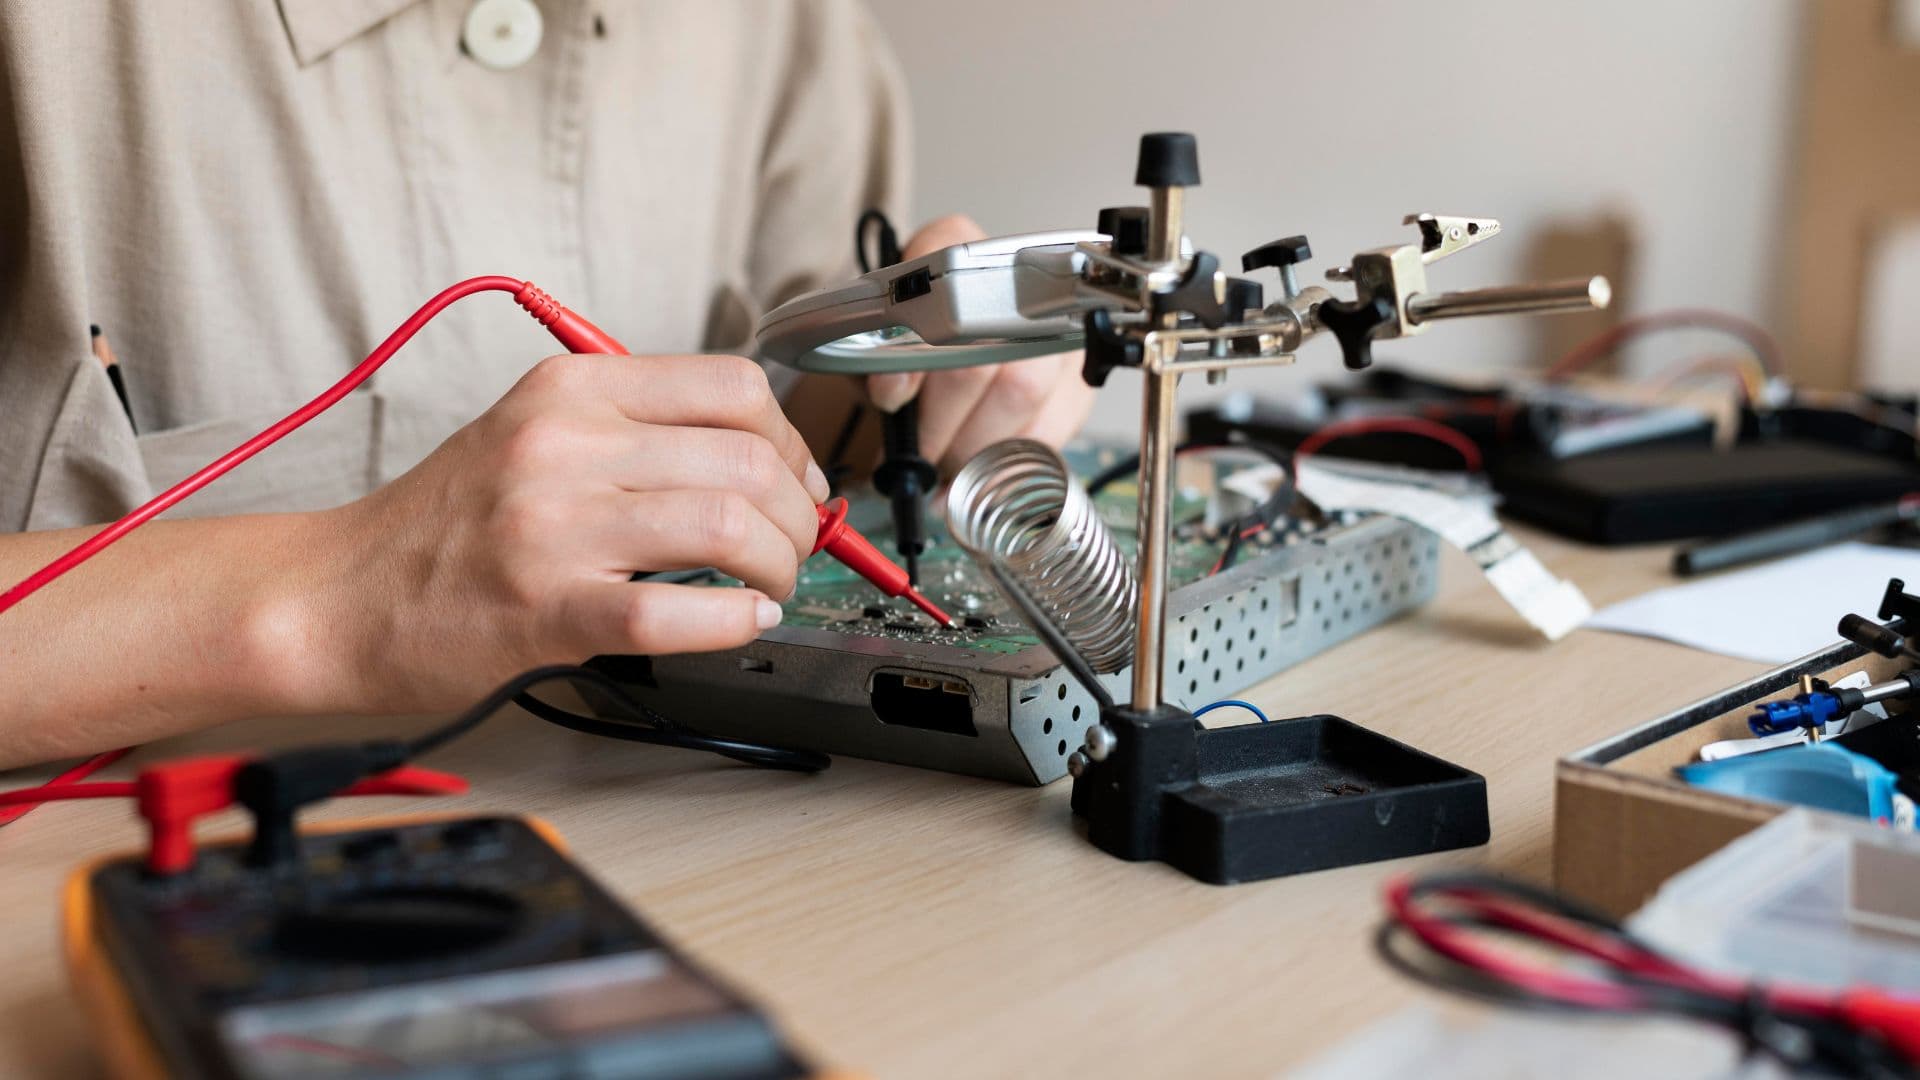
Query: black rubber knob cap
[
  {"x": 1168, "y": 159},
  {"x": 1870, "y": 635},
  {"x": 1283, "y": 252}
]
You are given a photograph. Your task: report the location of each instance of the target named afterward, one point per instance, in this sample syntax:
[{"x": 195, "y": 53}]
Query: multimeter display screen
[{"x": 635, "y": 1011}]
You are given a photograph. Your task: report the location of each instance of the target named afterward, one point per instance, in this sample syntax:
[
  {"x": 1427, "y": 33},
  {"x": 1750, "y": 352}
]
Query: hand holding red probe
[
  {"x": 835, "y": 536},
  {"x": 508, "y": 547}
]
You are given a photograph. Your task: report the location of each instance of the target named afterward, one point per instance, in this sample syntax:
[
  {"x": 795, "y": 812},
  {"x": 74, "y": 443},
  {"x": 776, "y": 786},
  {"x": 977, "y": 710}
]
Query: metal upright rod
[
  {"x": 1163, "y": 239},
  {"x": 1157, "y": 422}
]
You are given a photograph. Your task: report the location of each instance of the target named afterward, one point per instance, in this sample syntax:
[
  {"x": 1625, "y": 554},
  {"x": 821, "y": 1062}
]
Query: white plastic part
[{"x": 1811, "y": 898}]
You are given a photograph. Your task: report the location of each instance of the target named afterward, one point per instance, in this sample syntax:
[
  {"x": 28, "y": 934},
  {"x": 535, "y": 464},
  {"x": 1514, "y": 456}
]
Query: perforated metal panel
[{"x": 1230, "y": 632}]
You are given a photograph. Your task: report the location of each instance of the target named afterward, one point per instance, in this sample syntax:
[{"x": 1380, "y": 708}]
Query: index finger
[{"x": 711, "y": 392}]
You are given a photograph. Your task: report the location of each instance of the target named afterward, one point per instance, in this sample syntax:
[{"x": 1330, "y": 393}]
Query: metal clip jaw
[
  {"x": 1398, "y": 273},
  {"x": 1393, "y": 300},
  {"x": 1442, "y": 236}
]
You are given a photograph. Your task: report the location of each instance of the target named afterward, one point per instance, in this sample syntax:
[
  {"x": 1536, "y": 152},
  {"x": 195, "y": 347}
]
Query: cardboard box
[{"x": 1623, "y": 823}]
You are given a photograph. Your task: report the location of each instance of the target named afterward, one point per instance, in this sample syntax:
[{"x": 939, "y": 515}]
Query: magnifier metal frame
[{"x": 985, "y": 302}]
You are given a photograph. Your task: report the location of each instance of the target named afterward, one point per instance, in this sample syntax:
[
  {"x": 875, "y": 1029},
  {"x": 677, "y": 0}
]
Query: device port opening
[{"x": 928, "y": 702}]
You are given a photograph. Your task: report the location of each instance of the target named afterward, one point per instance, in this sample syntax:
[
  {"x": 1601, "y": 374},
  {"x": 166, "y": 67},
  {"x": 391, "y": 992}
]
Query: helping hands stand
[
  {"x": 1261, "y": 800},
  {"x": 1230, "y": 804}
]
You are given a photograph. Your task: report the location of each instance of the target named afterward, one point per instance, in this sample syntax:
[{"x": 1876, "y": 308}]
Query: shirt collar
[{"x": 317, "y": 27}]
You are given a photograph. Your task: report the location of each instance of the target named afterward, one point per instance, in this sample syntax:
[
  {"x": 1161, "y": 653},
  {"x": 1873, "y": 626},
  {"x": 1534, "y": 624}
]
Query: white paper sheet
[{"x": 1772, "y": 613}]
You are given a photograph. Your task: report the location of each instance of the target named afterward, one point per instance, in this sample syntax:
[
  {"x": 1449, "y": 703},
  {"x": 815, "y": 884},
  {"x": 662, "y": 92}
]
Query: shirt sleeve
[{"x": 839, "y": 144}]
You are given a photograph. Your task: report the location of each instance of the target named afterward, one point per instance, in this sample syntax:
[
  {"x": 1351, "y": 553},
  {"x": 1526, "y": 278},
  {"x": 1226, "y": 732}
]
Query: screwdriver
[{"x": 835, "y": 537}]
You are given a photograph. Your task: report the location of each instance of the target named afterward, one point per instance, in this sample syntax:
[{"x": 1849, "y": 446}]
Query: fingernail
[
  {"x": 816, "y": 482},
  {"x": 891, "y": 391},
  {"x": 766, "y": 614}
]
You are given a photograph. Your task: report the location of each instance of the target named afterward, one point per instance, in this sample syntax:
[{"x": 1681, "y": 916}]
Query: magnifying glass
[{"x": 985, "y": 302}]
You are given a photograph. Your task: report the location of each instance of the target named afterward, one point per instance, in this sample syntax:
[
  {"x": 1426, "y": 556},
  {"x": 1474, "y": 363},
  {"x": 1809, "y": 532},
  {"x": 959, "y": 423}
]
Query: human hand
[
  {"x": 964, "y": 410},
  {"x": 512, "y": 544}
]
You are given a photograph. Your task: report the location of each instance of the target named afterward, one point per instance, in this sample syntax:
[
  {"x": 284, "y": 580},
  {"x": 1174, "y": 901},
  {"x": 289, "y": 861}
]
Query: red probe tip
[
  {"x": 930, "y": 608},
  {"x": 845, "y": 543}
]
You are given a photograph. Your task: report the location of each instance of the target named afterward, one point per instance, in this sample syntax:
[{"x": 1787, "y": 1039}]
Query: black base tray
[
  {"x": 1288, "y": 797},
  {"x": 1316, "y": 792}
]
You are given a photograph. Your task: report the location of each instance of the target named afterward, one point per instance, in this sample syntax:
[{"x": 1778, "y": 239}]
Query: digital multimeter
[{"x": 454, "y": 948}]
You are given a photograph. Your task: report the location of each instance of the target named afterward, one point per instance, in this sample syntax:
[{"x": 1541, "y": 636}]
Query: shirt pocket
[
  {"x": 90, "y": 471},
  {"x": 326, "y": 462}
]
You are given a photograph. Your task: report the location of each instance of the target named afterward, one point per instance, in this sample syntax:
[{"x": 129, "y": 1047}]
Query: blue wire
[{"x": 1234, "y": 703}]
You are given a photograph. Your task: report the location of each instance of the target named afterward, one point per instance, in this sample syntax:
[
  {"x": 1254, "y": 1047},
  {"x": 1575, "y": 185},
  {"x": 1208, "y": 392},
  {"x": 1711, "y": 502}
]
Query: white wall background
[{"x": 1336, "y": 117}]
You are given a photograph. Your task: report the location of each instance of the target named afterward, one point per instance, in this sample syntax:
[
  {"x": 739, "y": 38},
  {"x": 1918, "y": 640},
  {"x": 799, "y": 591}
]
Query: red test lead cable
[{"x": 572, "y": 330}]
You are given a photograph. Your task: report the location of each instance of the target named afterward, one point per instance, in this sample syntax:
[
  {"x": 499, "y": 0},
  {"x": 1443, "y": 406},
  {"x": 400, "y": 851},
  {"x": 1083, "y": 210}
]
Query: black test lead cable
[
  {"x": 652, "y": 726},
  {"x": 903, "y": 476}
]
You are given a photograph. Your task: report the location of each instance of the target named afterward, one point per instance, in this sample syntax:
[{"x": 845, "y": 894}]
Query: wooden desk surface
[{"x": 914, "y": 924}]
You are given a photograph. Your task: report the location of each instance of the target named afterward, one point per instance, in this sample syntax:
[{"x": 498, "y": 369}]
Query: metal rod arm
[{"x": 1583, "y": 294}]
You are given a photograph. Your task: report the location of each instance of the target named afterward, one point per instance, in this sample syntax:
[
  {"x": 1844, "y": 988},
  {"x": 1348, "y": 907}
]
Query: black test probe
[{"x": 903, "y": 476}]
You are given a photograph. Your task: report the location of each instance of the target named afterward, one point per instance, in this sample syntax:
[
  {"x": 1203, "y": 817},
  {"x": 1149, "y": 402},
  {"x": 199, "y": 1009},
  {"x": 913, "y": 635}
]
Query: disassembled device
[
  {"x": 849, "y": 673},
  {"x": 1227, "y": 804}
]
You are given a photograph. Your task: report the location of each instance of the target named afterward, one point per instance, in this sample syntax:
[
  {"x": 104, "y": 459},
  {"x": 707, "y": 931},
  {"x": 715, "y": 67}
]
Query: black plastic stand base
[{"x": 1266, "y": 800}]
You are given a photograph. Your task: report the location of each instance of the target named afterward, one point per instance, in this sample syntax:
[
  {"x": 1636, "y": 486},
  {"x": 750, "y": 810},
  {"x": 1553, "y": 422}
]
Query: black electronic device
[
  {"x": 466, "y": 947},
  {"x": 1506, "y": 424},
  {"x": 1669, "y": 493},
  {"x": 1606, "y": 471}
]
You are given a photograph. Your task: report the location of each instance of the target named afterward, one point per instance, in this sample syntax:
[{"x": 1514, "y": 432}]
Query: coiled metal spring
[{"x": 1016, "y": 506}]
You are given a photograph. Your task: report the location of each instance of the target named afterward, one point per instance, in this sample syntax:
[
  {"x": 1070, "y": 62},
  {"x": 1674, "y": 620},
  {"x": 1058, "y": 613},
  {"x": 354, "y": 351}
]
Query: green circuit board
[{"x": 832, "y": 597}]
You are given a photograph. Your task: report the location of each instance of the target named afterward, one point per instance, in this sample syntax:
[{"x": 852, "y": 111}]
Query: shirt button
[{"x": 502, "y": 34}]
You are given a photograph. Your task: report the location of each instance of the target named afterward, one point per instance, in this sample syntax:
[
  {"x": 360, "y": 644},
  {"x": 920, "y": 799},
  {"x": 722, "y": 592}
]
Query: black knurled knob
[
  {"x": 1168, "y": 159},
  {"x": 1871, "y": 635},
  {"x": 1125, "y": 228},
  {"x": 1354, "y": 323},
  {"x": 1243, "y": 295},
  {"x": 1283, "y": 252}
]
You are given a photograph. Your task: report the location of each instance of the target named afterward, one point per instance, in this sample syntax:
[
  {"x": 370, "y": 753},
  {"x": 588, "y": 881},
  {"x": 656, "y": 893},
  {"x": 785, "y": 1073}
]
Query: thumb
[{"x": 942, "y": 232}]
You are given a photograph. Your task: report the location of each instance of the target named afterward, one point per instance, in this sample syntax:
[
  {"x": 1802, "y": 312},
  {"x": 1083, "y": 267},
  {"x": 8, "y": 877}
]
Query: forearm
[{"x": 181, "y": 625}]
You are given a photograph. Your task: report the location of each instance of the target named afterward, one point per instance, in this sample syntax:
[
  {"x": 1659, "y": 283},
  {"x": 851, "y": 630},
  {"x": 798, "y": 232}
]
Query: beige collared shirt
[{"x": 247, "y": 196}]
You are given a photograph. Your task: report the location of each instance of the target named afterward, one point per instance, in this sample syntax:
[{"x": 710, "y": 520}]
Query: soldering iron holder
[{"x": 1266, "y": 800}]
